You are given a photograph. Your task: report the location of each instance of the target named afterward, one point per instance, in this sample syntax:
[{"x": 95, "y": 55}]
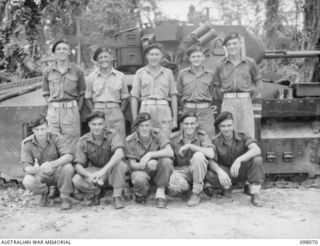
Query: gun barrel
[{"x": 272, "y": 54}]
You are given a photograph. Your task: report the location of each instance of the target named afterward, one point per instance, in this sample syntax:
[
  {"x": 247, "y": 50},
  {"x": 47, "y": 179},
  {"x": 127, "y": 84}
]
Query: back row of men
[{"x": 173, "y": 160}]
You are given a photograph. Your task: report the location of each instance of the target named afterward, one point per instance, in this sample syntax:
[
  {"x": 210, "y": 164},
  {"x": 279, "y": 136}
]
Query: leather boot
[
  {"x": 44, "y": 200},
  {"x": 54, "y": 192},
  {"x": 118, "y": 203},
  {"x": 140, "y": 199},
  {"x": 226, "y": 193},
  {"x": 66, "y": 204},
  {"x": 95, "y": 201},
  {"x": 194, "y": 200},
  {"x": 161, "y": 203},
  {"x": 256, "y": 200}
]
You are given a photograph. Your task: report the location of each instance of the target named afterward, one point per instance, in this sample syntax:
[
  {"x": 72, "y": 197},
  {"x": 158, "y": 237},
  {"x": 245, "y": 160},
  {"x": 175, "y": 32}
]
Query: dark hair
[
  {"x": 99, "y": 50},
  {"x": 59, "y": 42}
]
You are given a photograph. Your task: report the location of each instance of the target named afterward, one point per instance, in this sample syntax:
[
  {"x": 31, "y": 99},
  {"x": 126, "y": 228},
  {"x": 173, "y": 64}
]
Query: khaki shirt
[
  {"x": 136, "y": 148},
  {"x": 240, "y": 78},
  {"x": 63, "y": 87},
  {"x": 55, "y": 147},
  {"x": 106, "y": 88},
  {"x": 89, "y": 151},
  {"x": 195, "y": 88},
  {"x": 200, "y": 139},
  {"x": 226, "y": 154},
  {"x": 147, "y": 85}
]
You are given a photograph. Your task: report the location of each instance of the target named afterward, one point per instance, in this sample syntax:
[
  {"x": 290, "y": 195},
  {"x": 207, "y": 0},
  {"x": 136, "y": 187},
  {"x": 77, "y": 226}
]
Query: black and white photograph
[{"x": 159, "y": 119}]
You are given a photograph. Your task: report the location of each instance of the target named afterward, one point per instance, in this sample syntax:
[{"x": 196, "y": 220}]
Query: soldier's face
[
  {"x": 197, "y": 58},
  {"x": 189, "y": 125},
  {"x": 154, "y": 57},
  {"x": 62, "y": 51},
  {"x": 144, "y": 128},
  {"x": 104, "y": 59},
  {"x": 96, "y": 126},
  {"x": 226, "y": 128},
  {"x": 233, "y": 46},
  {"x": 40, "y": 132}
]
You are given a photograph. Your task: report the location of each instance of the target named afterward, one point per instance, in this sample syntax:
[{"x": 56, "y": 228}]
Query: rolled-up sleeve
[
  {"x": 216, "y": 76},
  {"x": 129, "y": 151},
  {"x": 124, "y": 89},
  {"x": 254, "y": 71},
  {"x": 173, "y": 85},
  {"x": 163, "y": 141},
  {"x": 81, "y": 154},
  {"x": 116, "y": 142},
  {"x": 82, "y": 82},
  {"x": 180, "y": 84},
  {"x": 89, "y": 88},
  {"x": 136, "y": 84},
  {"x": 62, "y": 146},
  {"x": 45, "y": 84},
  {"x": 26, "y": 156}
]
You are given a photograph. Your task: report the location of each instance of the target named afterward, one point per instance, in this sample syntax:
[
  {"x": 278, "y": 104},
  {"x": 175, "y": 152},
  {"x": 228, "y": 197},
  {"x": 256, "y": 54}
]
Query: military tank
[{"x": 287, "y": 116}]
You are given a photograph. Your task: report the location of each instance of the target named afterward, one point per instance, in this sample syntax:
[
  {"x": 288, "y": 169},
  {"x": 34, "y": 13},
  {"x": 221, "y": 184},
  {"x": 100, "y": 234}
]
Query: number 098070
[{"x": 308, "y": 241}]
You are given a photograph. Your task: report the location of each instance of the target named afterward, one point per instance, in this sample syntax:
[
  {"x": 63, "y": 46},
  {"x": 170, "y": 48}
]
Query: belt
[
  {"x": 236, "y": 95},
  {"x": 64, "y": 104},
  {"x": 154, "y": 102},
  {"x": 106, "y": 105},
  {"x": 197, "y": 105}
]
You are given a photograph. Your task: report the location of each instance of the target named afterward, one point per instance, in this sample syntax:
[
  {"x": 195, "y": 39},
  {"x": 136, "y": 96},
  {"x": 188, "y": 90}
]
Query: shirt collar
[
  {"x": 202, "y": 71},
  {"x": 149, "y": 71},
  {"x": 91, "y": 138},
  {"x": 138, "y": 139},
  {"x": 56, "y": 68},
  {"x": 35, "y": 141},
  {"x": 112, "y": 71},
  {"x": 236, "y": 136},
  {"x": 181, "y": 137}
]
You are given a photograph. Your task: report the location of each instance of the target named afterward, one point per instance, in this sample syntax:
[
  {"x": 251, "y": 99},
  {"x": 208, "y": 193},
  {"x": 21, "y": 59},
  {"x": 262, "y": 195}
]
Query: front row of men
[{"x": 188, "y": 159}]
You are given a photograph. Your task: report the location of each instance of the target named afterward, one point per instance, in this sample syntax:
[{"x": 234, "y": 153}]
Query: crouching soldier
[
  {"x": 237, "y": 159},
  {"x": 98, "y": 159},
  {"x": 149, "y": 153},
  {"x": 46, "y": 159},
  {"x": 192, "y": 150}
]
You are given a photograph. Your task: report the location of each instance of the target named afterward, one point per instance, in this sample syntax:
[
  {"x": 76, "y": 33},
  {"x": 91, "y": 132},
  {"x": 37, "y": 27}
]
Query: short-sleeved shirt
[
  {"x": 196, "y": 88},
  {"x": 226, "y": 154},
  {"x": 136, "y": 148},
  {"x": 106, "y": 87},
  {"x": 147, "y": 85},
  {"x": 240, "y": 78},
  {"x": 98, "y": 155},
  {"x": 177, "y": 141},
  {"x": 31, "y": 149},
  {"x": 63, "y": 87}
]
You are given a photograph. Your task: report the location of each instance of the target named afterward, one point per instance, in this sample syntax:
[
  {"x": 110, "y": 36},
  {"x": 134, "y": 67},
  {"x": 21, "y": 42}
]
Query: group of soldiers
[{"x": 181, "y": 163}]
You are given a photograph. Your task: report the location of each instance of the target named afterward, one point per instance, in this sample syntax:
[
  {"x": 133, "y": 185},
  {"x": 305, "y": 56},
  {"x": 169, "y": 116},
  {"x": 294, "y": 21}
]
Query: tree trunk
[{"x": 311, "y": 38}]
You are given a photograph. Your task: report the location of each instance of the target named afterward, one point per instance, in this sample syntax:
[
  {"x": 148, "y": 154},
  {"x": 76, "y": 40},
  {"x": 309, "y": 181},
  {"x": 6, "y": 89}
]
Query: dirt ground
[{"x": 292, "y": 213}]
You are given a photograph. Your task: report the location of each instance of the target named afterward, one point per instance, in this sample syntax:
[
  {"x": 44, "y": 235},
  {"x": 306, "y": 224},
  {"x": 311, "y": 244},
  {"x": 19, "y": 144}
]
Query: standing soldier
[
  {"x": 106, "y": 90},
  {"x": 46, "y": 160},
  {"x": 149, "y": 153},
  {"x": 155, "y": 87},
  {"x": 98, "y": 160},
  {"x": 195, "y": 85},
  {"x": 237, "y": 158},
  {"x": 192, "y": 150},
  {"x": 240, "y": 82},
  {"x": 63, "y": 88}
]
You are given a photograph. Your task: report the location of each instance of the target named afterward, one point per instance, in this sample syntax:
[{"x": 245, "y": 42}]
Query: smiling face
[
  {"x": 144, "y": 129},
  {"x": 197, "y": 58},
  {"x": 40, "y": 131},
  {"x": 233, "y": 46},
  {"x": 62, "y": 51},
  {"x": 96, "y": 126},
  {"x": 189, "y": 125},
  {"x": 104, "y": 59},
  {"x": 226, "y": 128},
  {"x": 154, "y": 57}
]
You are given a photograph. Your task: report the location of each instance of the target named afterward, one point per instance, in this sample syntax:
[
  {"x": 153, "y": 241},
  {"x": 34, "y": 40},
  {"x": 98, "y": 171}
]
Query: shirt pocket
[
  {"x": 97, "y": 88},
  {"x": 71, "y": 83},
  {"x": 226, "y": 81},
  {"x": 54, "y": 81},
  {"x": 114, "y": 86},
  {"x": 146, "y": 84},
  {"x": 244, "y": 80}
]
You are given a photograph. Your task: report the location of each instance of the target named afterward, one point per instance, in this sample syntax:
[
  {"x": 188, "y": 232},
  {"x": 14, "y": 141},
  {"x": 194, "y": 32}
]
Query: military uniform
[
  {"x": 154, "y": 92},
  {"x": 63, "y": 91},
  {"x": 94, "y": 156},
  {"x": 106, "y": 93},
  {"x": 197, "y": 92},
  {"x": 55, "y": 148},
  {"x": 225, "y": 155},
  {"x": 136, "y": 149},
  {"x": 192, "y": 166}
]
